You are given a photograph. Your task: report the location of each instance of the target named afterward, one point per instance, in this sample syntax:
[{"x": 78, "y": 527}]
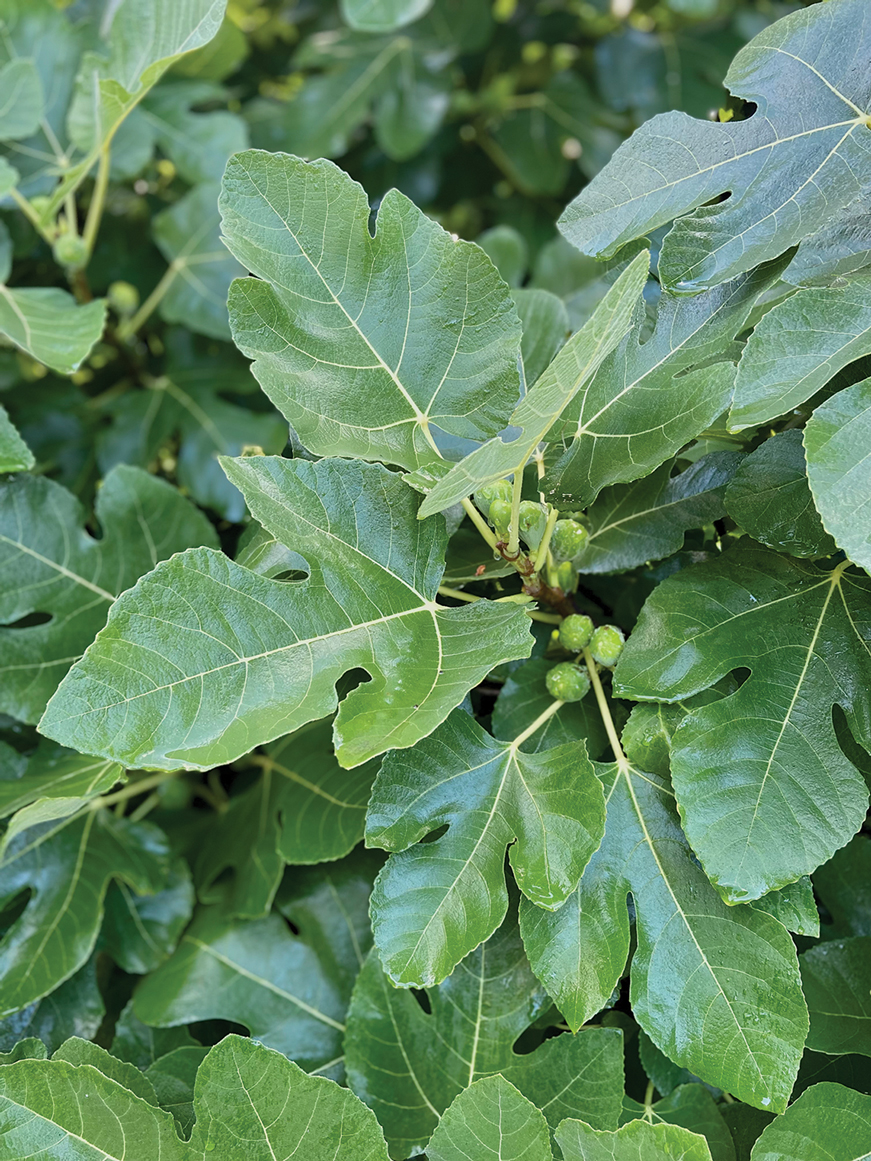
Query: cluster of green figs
[{"x": 569, "y": 680}]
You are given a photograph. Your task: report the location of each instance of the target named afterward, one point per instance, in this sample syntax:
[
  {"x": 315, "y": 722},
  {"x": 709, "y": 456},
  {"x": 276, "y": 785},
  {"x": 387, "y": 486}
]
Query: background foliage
[{"x": 191, "y": 947}]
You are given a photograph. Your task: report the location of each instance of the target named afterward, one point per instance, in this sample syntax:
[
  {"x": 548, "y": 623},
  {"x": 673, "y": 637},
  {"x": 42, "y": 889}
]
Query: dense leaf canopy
[{"x": 435, "y": 624}]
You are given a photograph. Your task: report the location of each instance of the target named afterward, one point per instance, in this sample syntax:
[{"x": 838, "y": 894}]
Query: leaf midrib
[{"x": 626, "y": 770}]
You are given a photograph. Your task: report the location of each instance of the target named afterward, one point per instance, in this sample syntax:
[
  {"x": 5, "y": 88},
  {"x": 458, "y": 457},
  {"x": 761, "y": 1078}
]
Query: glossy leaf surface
[
  {"x": 271, "y": 665},
  {"x": 716, "y": 988},
  {"x": 765, "y": 761},
  {"x": 492, "y": 1120},
  {"x": 789, "y": 171},
  {"x": 351, "y": 378},
  {"x": 434, "y": 902}
]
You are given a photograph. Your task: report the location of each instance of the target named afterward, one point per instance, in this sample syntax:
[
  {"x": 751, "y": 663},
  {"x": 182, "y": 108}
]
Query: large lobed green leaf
[
  {"x": 655, "y": 392},
  {"x": 765, "y": 790},
  {"x": 203, "y": 659},
  {"x": 288, "y": 982},
  {"x": 250, "y": 1104},
  {"x": 364, "y": 341},
  {"x": 716, "y": 988},
  {"x": 790, "y": 169},
  {"x": 409, "y": 1064},
  {"x": 53, "y": 567},
  {"x": 435, "y": 902},
  {"x": 65, "y": 865}
]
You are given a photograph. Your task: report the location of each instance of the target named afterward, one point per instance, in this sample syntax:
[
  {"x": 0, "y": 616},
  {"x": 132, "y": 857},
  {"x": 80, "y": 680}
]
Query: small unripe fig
[
  {"x": 70, "y": 250},
  {"x": 40, "y": 204},
  {"x": 606, "y": 644},
  {"x": 567, "y": 682},
  {"x": 564, "y": 576},
  {"x": 575, "y": 632},
  {"x": 501, "y": 490},
  {"x": 569, "y": 540},
  {"x": 500, "y": 516},
  {"x": 123, "y": 298},
  {"x": 532, "y": 523}
]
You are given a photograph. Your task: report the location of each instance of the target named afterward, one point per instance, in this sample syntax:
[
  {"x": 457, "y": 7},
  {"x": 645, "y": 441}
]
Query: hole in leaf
[
  {"x": 435, "y": 834},
  {"x": 210, "y": 1032},
  {"x": 30, "y": 620},
  {"x": 14, "y": 909},
  {"x": 422, "y": 999},
  {"x": 349, "y": 681}
]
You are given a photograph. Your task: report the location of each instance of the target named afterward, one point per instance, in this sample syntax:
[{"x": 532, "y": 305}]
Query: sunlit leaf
[
  {"x": 243, "y": 659},
  {"x": 434, "y": 902},
  {"x": 572, "y": 369},
  {"x": 790, "y": 168},
  {"x": 352, "y": 378},
  {"x": 491, "y": 1119}
]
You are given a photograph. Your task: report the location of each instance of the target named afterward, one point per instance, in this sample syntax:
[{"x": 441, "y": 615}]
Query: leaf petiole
[
  {"x": 604, "y": 710},
  {"x": 541, "y": 554},
  {"x": 98, "y": 198},
  {"x": 513, "y": 546},
  {"x": 553, "y": 708}
]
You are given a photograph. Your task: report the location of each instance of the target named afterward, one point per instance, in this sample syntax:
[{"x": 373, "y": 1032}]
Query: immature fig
[
  {"x": 501, "y": 490},
  {"x": 567, "y": 682},
  {"x": 566, "y": 577},
  {"x": 606, "y": 644},
  {"x": 532, "y": 523},
  {"x": 575, "y": 632},
  {"x": 500, "y": 516},
  {"x": 123, "y": 298},
  {"x": 569, "y": 540},
  {"x": 70, "y": 250}
]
